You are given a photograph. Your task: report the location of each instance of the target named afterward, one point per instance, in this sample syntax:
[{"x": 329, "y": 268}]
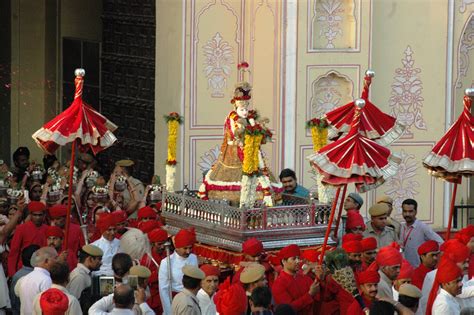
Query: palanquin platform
[{"x": 221, "y": 226}]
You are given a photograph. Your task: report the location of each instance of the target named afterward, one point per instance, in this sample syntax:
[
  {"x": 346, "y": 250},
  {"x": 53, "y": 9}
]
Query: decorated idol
[{"x": 240, "y": 174}]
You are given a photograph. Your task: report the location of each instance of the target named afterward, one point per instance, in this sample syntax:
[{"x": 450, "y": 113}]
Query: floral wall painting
[
  {"x": 404, "y": 184},
  {"x": 328, "y": 92},
  {"x": 465, "y": 52},
  {"x": 406, "y": 101},
  {"x": 218, "y": 64},
  {"x": 333, "y": 24}
]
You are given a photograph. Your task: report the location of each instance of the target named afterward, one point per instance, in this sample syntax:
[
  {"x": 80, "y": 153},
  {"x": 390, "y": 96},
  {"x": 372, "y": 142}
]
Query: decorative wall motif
[
  {"x": 465, "y": 46},
  {"x": 328, "y": 92},
  {"x": 217, "y": 64},
  {"x": 406, "y": 100},
  {"x": 464, "y": 5},
  {"x": 208, "y": 159},
  {"x": 333, "y": 24},
  {"x": 404, "y": 184}
]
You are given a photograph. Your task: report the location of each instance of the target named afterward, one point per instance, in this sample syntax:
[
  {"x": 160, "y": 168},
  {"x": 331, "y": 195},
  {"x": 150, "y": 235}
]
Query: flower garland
[
  {"x": 319, "y": 132},
  {"x": 173, "y": 120}
]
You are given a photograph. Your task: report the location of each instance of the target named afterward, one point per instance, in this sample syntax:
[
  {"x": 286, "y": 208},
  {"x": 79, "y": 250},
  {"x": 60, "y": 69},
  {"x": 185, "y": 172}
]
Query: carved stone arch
[{"x": 329, "y": 91}]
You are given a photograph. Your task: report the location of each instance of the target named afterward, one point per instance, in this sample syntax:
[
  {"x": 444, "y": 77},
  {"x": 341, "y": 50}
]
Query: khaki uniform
[
  {"x": 385, "y": 238},
  {"x": 185, "y": 303},
  {"x": 394, "y": 224},
  {"x": 79, "y": 280}
]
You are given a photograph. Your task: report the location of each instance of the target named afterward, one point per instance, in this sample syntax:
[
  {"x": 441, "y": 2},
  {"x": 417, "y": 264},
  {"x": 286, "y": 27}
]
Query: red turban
[
  {"x": 289, "y": 251},
  {"x": 352, "y": 247},
  {"x": 231, "y": 299},
  {"x": 54, "y": 231},
  {"x": 465, "y": 234},
  {"x": 457, "y": 250},
  {"x": 57, "y": 211},
  {"x": 105, "y": 221},
  {"x": 447, "y": 271},
  {"x": 120, "y": 216},
  {"x": 53, "y": 302},
  {"x": 158, "y": 206},
  {"x": 389, "y": 256},
  {"x": 354, "y": 219},
  {"x": 311, "y": 255},
  {"x": 148, "y": 226},
  {"x": 185, "y": 238},
  {"x": 427, "y": 247},
  {"x": 351, "y": 237},
  {"x": 369, "y": 243},
  {"x": 406, "y": 270},
  {"x": 210, "y": 270},
  {"x": 146, "y": 213},
  {"x": 36, "y": 206},
  {"x": 158, "y": 235},
  {"x": 252, "y": 247},
  {"x": 368, "y": 276}
]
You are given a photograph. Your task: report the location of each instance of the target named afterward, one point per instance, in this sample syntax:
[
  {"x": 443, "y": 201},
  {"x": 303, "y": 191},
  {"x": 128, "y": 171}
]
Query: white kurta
[
  {"x": 29, "y": 286},
  {"x": 73, "y": 307},
  {"x": 177, "y": 263},
  {"x": 445, "y": 304},
  {"x": 206, "y": 303},
  {"x": 110, "y": 248},
  {"x": 106, "y": 306},
  {"x": 466, "y": 298},
  {"x": 4, "y": 298}
]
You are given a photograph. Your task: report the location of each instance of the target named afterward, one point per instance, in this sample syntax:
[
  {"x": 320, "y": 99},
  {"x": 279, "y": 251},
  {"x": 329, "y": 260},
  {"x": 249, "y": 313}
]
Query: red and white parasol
[
  {"x": 374, "y": 124},
  {"x": 80, "y": 125},
  {"x": 453, "y": 156},
  {"x": 353, "y": 159}
]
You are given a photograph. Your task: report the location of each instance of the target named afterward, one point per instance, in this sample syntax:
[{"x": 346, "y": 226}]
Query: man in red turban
[
  {"x": 53, "y": 302},
  {"x": 459, "y": 254},
  {"x": 28, "y": 233},
  {"x": 428, "y": 252},
  {"x": 183, "y": 255},
  {"x": 368, "y": 286},
  {"x": 447, "y": 285},
  {"x": 369, "y": 251},
  {"x": 121, "y": 221},
  {"x": 107, "y": 242},
  {"x": 355, "y": 223},
  {"x": 253, "y": 252},
  {"x": 466, "y": 236},
  {"x": 293, "y": 288},
  {"x": 157, "y": 238},
  {"x": 405, "y": 276},
  {"x": 208, "y": 289},
  {"x": 146, "y": 213},
  {"x": 389, "y": 261},
  {"x": 76, "y": 239},
  {"x": 352, "y": 246}
]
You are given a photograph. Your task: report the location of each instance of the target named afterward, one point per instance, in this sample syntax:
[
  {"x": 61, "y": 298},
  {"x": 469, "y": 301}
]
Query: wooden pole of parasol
[
  {"x": 451, "y": 212},
  {"x": 69, "y": 194},
  {"x": 338, "y": 221},
  {"x": 328, "y": 229}
]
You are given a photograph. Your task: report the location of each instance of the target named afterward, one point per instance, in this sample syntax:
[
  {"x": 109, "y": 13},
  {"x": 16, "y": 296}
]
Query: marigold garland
[
  {"x": 173, "y": 120},
  {"x": 319, "y": 132}
]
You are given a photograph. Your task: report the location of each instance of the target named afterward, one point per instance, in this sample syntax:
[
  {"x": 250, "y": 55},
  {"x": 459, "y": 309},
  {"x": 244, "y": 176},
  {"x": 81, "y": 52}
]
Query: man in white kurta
[
  {"x": 183, "y": 241},
  {"x": 208, "y": 290},
  {"x": 107, "y": 243},
  {"x": 36, "y": 281}
]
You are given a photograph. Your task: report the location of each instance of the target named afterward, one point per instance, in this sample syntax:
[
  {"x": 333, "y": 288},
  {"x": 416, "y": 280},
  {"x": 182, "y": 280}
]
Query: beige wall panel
[
  {"x": 214, "y": 51},
  {"x": 265, "y": 61}
]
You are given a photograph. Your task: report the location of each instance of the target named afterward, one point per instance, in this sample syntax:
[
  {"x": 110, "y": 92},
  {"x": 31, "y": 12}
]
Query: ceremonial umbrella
[
  {"x": 374, "y": 124},
  {"x": 453, "y": 156},
  {"x": 80, "y": 125},
  {"x": 356, "y": 159}
]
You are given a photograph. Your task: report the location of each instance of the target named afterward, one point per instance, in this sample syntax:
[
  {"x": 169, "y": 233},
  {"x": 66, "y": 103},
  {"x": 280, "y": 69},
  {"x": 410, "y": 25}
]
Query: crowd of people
[{"x": 392, "y": 267}]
